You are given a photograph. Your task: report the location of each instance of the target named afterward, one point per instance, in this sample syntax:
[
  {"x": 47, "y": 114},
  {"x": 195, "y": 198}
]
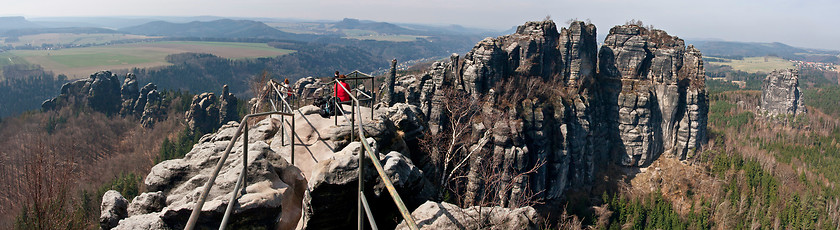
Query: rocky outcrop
[
  {"x": 409, "y": 119},
  {"x": 228, "y": 108},
  {"x": 175, "y": 184},
  {"x": 780, "y": 94},
  {"x": 433, "y": 215},
  {"x": 147, "y": 202},
  {"x": 114, "y": 208},
  {"x": 310, "y": 87},
  {"x": 129, "y": 93},
  {"x": 546, "y": 111},
  {"x": 659, "y": 88},
  {"x": 100, "y": 92},
  {"x": 153, "y": 111},
  {"x": 388, "y": 85},
  {"x": 203, "y": 116},
  {"x": 334, "y": 182},
  {"x": 641, "y": 96}
]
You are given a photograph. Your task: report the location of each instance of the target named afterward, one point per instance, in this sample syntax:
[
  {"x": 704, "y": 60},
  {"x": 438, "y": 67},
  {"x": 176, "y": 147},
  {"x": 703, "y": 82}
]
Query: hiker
[
  {"x": 340, "y": 93},
  {"x": 287, "y": 88}
]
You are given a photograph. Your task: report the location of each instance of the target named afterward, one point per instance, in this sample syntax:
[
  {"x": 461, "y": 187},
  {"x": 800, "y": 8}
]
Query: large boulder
[
  {"x": 780, "y": 94},
  {"x": 151, "y": 221},
  {"x": 310, "y": 87},
  {"x": 334, "y": 183},
  {"x": 433, "y": 215},
  {"x": 114, "y": 208},
  {"x": 407, "y": 118},
  {"x": 272, "y": 193},
  {"x": 147, "y": 202}
]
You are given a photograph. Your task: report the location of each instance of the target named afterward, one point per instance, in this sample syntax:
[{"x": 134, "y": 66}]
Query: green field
[
  {"x": 81, "y": 62},
  {"x": 755, "y": 64}
]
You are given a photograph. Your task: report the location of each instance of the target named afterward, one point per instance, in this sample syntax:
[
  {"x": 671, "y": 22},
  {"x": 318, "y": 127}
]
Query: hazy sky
[{"x": 805, "y": 23}]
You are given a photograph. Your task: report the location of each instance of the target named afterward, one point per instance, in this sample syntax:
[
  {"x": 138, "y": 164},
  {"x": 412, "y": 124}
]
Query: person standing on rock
[
  {"x": 341, "y": 93},
  {"x": 287, "y": 87}
]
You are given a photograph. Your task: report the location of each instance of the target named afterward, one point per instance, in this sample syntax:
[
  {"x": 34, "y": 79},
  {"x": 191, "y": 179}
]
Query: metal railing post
[
  {"x": 361, "y": 185},
  {"x": 240, "y": 182},
  {"x": 372, "y": 96},
  {"x": 209, "y": 184},
  {"x": 244, "y": 158},
  {"x": 283, "y": 131},
  {"x": 292, "y": 137}
]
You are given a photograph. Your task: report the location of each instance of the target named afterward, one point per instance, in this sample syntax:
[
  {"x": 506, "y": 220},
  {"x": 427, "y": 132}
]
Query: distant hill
[
  {"x": 11, "y": 23},
  {"x": 738, "y": 50},
  {"x": 379, "y": 27},
  {"x": 223, "y": 28},
  {"x": 453, "y": 29}
]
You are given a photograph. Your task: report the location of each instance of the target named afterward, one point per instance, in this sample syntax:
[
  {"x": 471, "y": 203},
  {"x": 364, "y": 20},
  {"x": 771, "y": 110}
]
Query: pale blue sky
[{"x": 801, "y": 23}]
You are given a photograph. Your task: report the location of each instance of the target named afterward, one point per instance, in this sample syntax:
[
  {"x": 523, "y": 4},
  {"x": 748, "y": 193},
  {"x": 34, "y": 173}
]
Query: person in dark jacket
[{"x": 341, "y": 93}]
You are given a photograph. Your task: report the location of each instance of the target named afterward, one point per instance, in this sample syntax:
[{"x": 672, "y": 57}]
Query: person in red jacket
[{"x": 341, "y": 93}]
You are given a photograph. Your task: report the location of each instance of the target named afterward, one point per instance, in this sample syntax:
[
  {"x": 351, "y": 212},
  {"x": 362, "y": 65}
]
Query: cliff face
[
  {"x": 780, "y": 94},
  {"x": 659, "y": 89},
  {"x": 641, "y": 96}
]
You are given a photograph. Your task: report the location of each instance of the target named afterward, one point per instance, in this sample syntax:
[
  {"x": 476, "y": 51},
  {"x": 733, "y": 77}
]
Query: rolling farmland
[{"x": 81, "y": 62}]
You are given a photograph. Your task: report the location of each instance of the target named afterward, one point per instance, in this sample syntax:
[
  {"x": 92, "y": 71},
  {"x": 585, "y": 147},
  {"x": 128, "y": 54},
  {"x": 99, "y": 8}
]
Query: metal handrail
[
  {"x": 241, "y": 180},
  {"x": 362, "y": 202}
]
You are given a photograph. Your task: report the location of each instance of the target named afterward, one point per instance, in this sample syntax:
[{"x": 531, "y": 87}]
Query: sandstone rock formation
[
  {"x": 203, "y": 116},
  {"x": 310, "y": 87},
  {"x": 153, "y": 111},
  {"x": 113, "y": 209},
  {"x": 332, "y": 189},
  {"x": 780, "y": 94},
  {"x": 228, "y": 107},
  {"x": 641, "y": 96},
  {"x": 145, "y": 203},
  {"x": 388, "y": 85},
  {"x": 102, "y": 93},
  {"x": 433, "y": 215},
  {"x": 276, "y": 189},
  {"x": 660, "y": 89},
  {"x": 174, "y": 185},
  {"x": 129, "y": 93},
  {"x": 547, "y": 111}
]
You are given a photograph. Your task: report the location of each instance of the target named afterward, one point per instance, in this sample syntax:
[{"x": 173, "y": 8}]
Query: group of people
[{"x": 341, "y": 93}]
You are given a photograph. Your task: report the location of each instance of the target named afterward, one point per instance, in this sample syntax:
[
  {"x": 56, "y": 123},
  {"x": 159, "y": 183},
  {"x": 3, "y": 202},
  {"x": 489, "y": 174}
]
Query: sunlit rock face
[{"x": 780, "y": 94}]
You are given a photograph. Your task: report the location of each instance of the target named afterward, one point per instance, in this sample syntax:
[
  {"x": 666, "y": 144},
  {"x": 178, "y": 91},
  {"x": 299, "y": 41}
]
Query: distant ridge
[
  {"x": 11, "y": 23},
  {"x": 728, "y": 49},
  {"x": 379, "y": 27},
  {"x": 223, "y": 28}
]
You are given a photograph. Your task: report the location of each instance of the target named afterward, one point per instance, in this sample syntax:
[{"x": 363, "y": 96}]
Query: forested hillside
[
  {"x": 26, "y": 91},
  {"x": 208, "y": 73}
]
